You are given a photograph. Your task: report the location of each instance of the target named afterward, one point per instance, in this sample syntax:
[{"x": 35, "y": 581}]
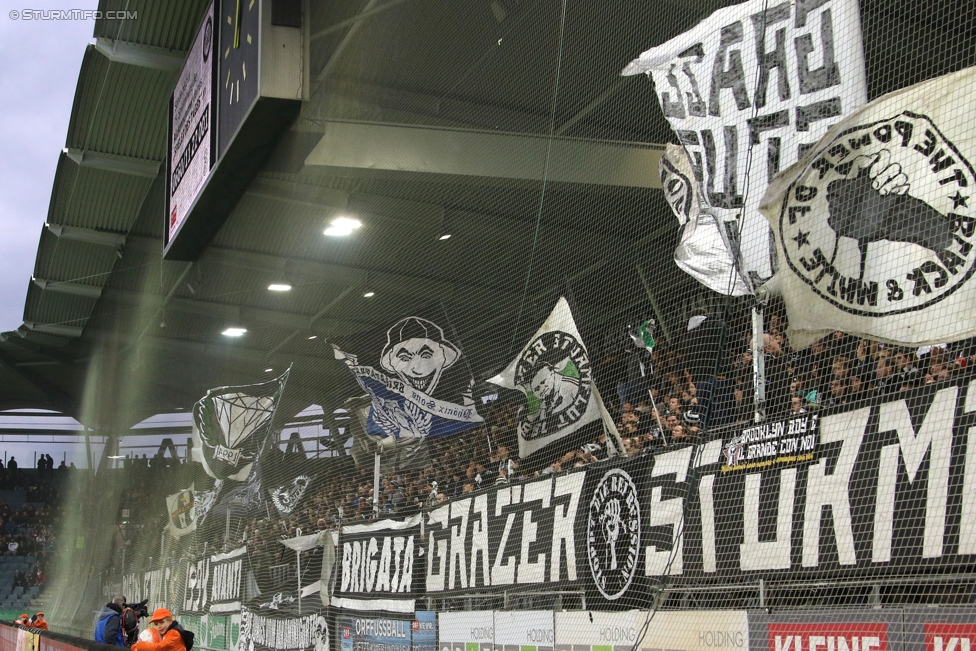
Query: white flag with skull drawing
[
  {"x": 876, "y": 226},
  {"x": 553, "y": 371}
]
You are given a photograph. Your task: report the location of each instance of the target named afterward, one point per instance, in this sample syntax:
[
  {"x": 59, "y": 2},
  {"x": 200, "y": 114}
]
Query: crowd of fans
[{"x": 28, "y": 532}]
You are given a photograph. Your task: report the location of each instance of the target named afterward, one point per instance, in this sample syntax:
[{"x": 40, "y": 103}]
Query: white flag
[
  {"x": 182, "y": 512},
  {"x": 875, "y": 226},
  {"x": 554, "y": 373},
  {"x": 743, "y": 116},
  {"x": 703, "y": 252}
]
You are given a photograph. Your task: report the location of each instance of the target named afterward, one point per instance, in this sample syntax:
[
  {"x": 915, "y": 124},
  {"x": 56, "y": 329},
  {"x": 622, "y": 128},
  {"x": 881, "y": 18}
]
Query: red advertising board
[
  {"x": 950, "y": 637},
  {"x": 846, "y": 636}
]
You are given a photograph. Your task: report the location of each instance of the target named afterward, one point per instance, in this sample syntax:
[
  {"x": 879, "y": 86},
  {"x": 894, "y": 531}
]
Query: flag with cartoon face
[
  {"x": 553, "y": 371},
  {"x": 230, "y": 425},
  {"x": 418, "y": 388}
]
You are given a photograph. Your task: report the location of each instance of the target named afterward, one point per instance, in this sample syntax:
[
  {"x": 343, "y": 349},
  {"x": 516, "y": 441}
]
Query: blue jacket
[{"x": 108, "y": 625}]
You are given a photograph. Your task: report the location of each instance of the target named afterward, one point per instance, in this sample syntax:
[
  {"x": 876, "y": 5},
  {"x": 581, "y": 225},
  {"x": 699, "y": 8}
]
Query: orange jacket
[
  {"x": 171, "y": 641},
  {"x": 41, "y": 624}
]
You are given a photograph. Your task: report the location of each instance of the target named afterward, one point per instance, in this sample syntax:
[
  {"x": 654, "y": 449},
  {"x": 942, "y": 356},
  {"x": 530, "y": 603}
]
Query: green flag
[{"x": 642, "y": 335}]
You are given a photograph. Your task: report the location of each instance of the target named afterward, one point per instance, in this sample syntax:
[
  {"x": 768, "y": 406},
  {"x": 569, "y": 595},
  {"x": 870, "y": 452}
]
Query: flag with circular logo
[
  {"x": 554, "y": 373},
  {"x": 875, "y": 227}
]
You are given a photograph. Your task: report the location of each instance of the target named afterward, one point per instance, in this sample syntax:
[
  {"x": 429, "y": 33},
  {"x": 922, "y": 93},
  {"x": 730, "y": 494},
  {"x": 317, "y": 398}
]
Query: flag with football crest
[
  {"x": 182, "y": 512},
  {"x": 418, "y": 384},
  {"x": 231, "y": 424},
  {"x": 553, "y": 371}
]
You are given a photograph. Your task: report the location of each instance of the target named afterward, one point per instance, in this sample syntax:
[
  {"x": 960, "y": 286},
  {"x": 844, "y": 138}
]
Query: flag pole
[{"x": 609, "y": 425}]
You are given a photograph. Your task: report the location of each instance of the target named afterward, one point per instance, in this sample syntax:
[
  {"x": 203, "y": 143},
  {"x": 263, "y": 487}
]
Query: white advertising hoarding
[{"x": 466, "y": 631}]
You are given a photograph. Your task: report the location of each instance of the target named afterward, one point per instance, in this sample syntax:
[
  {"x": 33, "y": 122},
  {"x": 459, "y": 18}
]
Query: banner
[
  {"x": 230, "y": 425},
  {"x": 380, "y": 564},
  {"x": 423, "y": 631},
  {"x": 851, "y": 492},
  {"x": 213, "y": 632},
  {"x": 793, "y": 440},
  {"x": 748, "y": 90},
  {"x": 374, "y": 634},
  {"x": 422, "y": 388},
  {"x": 553, "y": 371},
  {"x": 704, "y": 251},
  {"x": 182, "y": 512},
  {"x": 876, "y": 225},
  {"x": 273, "y": 623},
  {"x": 213, "y": 584}
]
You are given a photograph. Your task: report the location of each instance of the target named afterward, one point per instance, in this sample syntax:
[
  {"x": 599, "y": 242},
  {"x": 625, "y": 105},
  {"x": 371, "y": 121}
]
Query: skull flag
[
  {"x": 420, "y": 389},
  {"x": 230, "y": 425}
]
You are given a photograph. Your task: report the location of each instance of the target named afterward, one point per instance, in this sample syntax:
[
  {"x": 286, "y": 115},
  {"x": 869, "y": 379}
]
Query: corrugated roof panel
[
  {"x": 47, "y": 307},
  {"x": 160, "y": 23},
  {"x": 90, "y": 79},
  {"x": 71, "y": 261},
  {"x": 120, "y": 109},
  {"x": 94, "y": 198}
]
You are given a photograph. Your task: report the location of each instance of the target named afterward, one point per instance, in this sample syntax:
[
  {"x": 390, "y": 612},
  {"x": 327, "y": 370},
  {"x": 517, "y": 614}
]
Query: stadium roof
[{"x": 423, "y": 119}]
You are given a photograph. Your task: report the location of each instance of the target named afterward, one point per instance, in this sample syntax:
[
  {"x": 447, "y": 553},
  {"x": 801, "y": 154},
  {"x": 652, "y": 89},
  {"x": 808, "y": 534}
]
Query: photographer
[
  {"x": 164, "y": 634},
  {"x": 108, "y": 622}
]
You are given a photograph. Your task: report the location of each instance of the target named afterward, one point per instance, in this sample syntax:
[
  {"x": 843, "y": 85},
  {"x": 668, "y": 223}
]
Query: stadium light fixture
[
  {"x": 342, "y": 226},
  {"x": 234, "y": 332},
  {"x": 279, "y": 287}
]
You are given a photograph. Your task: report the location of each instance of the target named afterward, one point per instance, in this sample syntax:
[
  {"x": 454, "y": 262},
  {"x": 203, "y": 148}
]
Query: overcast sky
[{"x": 39, "y": 64}]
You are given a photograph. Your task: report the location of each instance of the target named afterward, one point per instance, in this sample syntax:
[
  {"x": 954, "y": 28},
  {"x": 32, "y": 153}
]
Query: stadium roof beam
[
  {"x": 66, "y": 287},
  {"x": 58, "y": 398},
  {"x": 114, "y": 163},
  {"x": 89, "y": 235},
  {"x": 54, "y": 329},
  {"x": 242, "y": 313},
  {"x": 137, "y": 54},
  {"x": 399, "y": 148}
]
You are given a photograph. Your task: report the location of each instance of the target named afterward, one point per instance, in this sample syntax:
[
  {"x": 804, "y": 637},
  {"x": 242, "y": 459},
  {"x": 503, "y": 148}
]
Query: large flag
[
  {"x": 703, "y": 252},
  {"x": 553, "y": 371},
  {"x": 231, "y": 424},
  {"x": 875, "y": 226},
  {"x": 182, "y": 512},
  {"x": 418, "y": 388},
  {"x": 747, "y": 90}
]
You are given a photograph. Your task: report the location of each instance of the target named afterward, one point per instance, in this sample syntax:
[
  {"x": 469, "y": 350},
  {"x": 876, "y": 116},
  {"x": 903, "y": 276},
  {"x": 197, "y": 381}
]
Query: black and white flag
[
  {"x": 418, "y": 386},
  {"x": 704, "y": 251},
  {"x": 747, "y": 90},
  {"x": 876, "y": 226},
  {"x": 553, "y": 371},
  {"x": 231, "y": 424}
]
